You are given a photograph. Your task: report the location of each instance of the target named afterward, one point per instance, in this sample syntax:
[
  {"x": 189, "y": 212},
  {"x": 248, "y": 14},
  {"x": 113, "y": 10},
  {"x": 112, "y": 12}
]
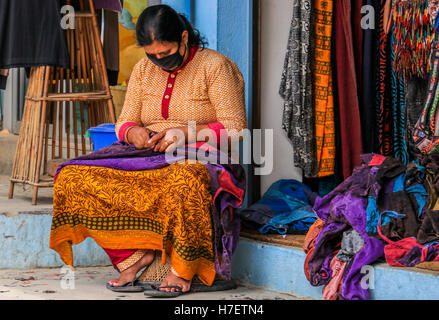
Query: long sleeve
[
  {"x": 132, "y": 108},
  {"x": 227, "y": 95}
]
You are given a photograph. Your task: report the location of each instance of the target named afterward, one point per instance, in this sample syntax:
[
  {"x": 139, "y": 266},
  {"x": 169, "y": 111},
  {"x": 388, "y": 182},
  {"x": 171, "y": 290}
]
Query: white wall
[{"x": 275, "y": 27}]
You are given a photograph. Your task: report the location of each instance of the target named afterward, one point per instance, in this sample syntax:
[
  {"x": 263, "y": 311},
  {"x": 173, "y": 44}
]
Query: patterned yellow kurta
[{"x": 209, "y": 89}]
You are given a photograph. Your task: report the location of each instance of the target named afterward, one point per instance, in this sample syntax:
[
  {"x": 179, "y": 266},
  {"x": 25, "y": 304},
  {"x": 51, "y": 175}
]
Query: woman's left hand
[{"x": 169, "y": 139}]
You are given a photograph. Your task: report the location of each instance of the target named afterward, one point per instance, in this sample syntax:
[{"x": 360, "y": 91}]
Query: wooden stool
[{"x": 53, "y": 91}]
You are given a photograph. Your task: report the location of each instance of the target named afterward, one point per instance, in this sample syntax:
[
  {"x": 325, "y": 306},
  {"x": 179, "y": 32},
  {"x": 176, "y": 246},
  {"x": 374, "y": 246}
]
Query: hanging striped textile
[
  {"x": 383, "y": 102},
  {"x": 322, "y": 87},
  {"x": 414, "y": 34},
  {"x": 296, "y": 89},
  {"x": 433, "y": 7},
  {"x": 398, "y": 107},
  {"x": 423, "y": 135}
]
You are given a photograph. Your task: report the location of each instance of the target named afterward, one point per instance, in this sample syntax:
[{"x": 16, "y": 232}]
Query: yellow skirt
[{"x": 167, "y": 209}]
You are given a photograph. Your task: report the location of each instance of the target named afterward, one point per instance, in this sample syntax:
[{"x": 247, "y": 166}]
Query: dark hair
[{"x": 162, "y": 23}]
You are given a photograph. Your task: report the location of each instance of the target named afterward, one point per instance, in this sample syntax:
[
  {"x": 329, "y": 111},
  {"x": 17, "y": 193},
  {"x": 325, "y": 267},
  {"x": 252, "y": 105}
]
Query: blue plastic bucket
[{"x": 103, "y": 135}]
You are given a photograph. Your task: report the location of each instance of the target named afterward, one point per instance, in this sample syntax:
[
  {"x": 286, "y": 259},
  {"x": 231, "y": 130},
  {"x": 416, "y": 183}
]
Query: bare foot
[
  {"x": 129, "y": 274},
  {"x": 173, "y": 280}
]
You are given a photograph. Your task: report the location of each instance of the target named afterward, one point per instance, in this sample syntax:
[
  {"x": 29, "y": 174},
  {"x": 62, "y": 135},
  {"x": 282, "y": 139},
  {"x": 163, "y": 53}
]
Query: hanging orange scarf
[{"x": 324, "y": 100}]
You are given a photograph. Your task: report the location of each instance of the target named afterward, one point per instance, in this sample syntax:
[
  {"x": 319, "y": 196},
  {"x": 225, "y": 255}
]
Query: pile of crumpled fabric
[
  {"x": 286, "y": 207},
  {"x": 384, "y": 209},
  {"x": 412, "y": 229}
]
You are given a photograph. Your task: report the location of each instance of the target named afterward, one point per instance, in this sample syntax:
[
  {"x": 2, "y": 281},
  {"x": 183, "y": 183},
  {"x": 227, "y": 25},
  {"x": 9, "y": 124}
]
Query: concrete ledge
[
  {"x": 280, "y": 268},
  {"x": 24, "y": 244}
]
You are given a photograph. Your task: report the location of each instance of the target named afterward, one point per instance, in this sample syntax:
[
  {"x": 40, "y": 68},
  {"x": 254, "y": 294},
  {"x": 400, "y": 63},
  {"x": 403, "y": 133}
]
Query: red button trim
[{"x": 167, "y": 95}]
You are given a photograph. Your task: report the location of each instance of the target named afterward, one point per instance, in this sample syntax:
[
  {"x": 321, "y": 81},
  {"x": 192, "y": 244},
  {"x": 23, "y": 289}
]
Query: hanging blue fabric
[
  {"x": 285, "y": 207},
  {"x": 436, "y": 24}
]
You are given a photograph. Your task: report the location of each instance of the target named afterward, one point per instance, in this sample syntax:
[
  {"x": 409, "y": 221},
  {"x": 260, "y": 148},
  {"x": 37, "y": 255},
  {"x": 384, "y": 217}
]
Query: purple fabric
[
  {"x": 226, "y": 227},
  {"x": 318, "y": 268},
  {"x": 351, "y": 285},
  {"x": 108, "y": 4},
  {"x": 432, "y": 253},
  {"x": 341, "y": 209},
  {"x": 128, "y": 164},
  {"x": 414, "y": 256},
  {"x": 122, "y": 156}
]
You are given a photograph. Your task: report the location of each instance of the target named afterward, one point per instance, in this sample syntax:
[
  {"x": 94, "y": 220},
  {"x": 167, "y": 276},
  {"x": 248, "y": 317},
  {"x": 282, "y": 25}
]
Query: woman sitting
[{"x": 133, "y": 214}]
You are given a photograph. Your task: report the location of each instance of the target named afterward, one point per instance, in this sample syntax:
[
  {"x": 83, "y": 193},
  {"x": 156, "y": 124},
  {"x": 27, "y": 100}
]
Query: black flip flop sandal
[
  {"x": 217, "y": 285},
  {"x": 131, "y": 286},
  {"x": 155, "y": 292}
]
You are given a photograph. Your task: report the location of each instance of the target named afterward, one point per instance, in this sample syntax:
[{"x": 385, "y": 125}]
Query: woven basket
[{"x": 156, "y": 272}]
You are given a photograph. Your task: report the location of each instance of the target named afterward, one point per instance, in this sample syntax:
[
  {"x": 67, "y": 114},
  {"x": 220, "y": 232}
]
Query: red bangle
[{"x": 124, "y": 128}]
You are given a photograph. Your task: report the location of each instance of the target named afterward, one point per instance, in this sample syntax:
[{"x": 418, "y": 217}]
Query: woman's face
[{"x": 162, "y": 49}]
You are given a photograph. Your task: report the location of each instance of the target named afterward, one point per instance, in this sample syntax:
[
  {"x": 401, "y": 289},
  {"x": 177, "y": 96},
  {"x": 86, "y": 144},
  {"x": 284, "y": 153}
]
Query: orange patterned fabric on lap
[{"x": 167, "y": 209}]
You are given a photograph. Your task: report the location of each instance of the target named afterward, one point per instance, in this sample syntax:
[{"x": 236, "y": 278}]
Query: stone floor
[
  {"x": 89, "y": 284},
  {"x": 22, "y": 200}
]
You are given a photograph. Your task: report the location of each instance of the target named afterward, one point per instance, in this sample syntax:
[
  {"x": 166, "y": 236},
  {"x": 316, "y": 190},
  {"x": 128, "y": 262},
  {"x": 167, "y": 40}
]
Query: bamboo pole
[
  {"x": 60, "y": 114},
  {"x": 40, "y": 138},
  {"x": 85, "y": 75},
  {"x": 29, "y": 145},
  {"x": 90, "y": 105},
  {"x": 80, "y": 78},
  {"x": 102, "y": 60},
  {"x": 96, "y": 75},
  {"x": 74, "y": 83},
  {"x": 55, "y": 113},
  {"x": 17, "y": 167},
  {"x": 69, "y": 89},
  {"x": 46, "y": 138}
]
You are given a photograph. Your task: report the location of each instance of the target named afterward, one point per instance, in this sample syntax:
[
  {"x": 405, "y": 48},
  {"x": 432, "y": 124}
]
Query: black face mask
[{"x": 170, "y": 62}]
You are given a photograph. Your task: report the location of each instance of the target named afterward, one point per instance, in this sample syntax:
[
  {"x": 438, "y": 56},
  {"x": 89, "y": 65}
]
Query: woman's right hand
[{"x": 139, "y": 136}]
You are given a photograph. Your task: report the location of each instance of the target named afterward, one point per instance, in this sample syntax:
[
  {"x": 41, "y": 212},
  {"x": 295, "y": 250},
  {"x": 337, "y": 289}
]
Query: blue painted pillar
[
  {"x": 227, "y": 26},
  {"x": 205, "y": 19},
  {"x": 181, "y": 6},
  {"x": 234, "y": 39}
]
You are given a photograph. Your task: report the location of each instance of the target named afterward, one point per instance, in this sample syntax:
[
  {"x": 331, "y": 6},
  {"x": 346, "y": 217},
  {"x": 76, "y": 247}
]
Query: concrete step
[
  {"x": 25, "y": 245},
  {"x": 280, "y": 268},
  {"x": 25, "y": 231}
]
